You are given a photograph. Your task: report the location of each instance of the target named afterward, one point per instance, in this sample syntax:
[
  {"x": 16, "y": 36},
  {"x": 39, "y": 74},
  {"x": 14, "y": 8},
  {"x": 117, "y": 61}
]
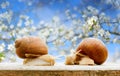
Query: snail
[
  {"x": 90, "y": 51},
  {"x": 33, "y": 49}
]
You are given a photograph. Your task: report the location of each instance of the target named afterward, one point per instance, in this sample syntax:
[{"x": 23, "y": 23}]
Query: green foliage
[
  {"x": 91, "y": 28},
  {"x": 94, "y": 22},
  {"x": 2, "y": 56}
]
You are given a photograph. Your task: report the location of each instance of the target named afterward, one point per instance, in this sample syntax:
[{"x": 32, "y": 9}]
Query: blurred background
[{"x": 61, "y": 23}]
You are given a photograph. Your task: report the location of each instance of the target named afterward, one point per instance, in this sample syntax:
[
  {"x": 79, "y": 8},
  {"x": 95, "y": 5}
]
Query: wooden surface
[{"x": 15, "y": 69}]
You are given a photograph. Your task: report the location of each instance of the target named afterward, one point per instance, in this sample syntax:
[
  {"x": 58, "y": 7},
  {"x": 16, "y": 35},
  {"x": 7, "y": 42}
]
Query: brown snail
[
  {"x": 90, "y": 50},
  {"x": 34, "y": 51},
  {"x": 30, "y": 47}
]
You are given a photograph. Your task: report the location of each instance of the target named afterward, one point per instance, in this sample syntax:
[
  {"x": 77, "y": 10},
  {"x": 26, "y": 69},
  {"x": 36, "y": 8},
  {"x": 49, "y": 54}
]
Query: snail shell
[
  {"x": 93, "y": 48},
  {"x": 30, "y": 46}
]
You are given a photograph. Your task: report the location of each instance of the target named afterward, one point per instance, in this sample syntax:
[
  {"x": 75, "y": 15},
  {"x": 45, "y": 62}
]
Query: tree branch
[{"x": 115, "y": 33}]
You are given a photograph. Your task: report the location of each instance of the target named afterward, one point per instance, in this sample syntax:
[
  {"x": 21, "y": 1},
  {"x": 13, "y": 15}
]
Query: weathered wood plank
[
  {"x": 59, "y": 70},
  {"x": 60, "y": 73}
]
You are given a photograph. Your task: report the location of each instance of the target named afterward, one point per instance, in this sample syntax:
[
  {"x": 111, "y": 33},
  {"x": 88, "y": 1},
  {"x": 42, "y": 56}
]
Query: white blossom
[
  {"x": 107, "y": 33},
  {"x": 9, "y": 16},
  {"x": 19, "y": 24},
  {"x": 24, "y": 17},
  {"x": 5, "y": 4},
  {"x": 90, "y": 20},
  {"x": 3, "y": 26},
  {"x": 80, "y": 36},
  {"x": 56, "y": 19},
  {"x": 101, "y": 32},
  {"x": 74, "y": 22},
  {"x": 18, "y": 36},
  {"x": 11, "y": 47},
  {"x": 6, "y": 15},
  {"x": 11, "y": 26},
  {"x": 33, "y": 28},
  {"x": 2, "y": 46},
  {"x": 46, "y": 33},
  {"x": 102, "y": 14},
  {"x": 24, "y": 31},
  {"x": 28, "y": 23},
  {"x": 13, "y": 32},
  {"x": 84, "y": 16},
  {"x": 89, "y": 7},
  {"x": 69, "y": 34},
  {"x": 95, "y": 12},
  {"x": 116, "y": 40},
  {"x": 51, "y": 30},
  {"x": 97, "y": 27},
  {"x": 74, "y": 39}
]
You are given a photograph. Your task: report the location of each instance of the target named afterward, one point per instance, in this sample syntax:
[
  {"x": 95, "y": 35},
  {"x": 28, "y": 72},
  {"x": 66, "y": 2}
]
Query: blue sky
[{"x": 46, "y": 9}]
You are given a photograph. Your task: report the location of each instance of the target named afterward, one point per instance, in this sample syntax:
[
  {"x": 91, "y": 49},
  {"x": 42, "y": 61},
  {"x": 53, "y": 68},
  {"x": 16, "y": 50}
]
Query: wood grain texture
[
  {"x": 13, "y": 69},
  {"x": 60, "y": 73}
]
